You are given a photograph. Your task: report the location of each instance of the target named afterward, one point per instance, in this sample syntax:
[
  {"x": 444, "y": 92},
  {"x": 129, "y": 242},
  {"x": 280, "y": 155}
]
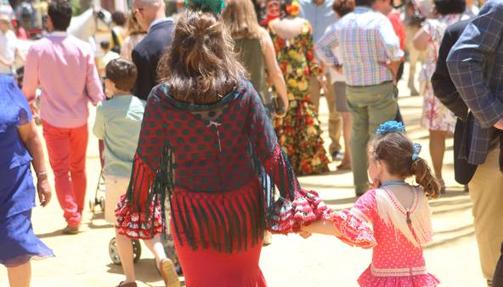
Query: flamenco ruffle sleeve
[{"x": 295, "y": 207}]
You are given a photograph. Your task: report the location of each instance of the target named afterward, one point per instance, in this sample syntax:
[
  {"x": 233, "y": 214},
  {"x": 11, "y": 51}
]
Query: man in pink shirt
[{"x": 63, "y": 68}]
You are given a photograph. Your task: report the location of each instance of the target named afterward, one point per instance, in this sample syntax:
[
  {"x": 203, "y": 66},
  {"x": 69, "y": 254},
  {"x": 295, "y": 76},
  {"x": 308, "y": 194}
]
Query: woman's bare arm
[{"x": 30, "y": 137}]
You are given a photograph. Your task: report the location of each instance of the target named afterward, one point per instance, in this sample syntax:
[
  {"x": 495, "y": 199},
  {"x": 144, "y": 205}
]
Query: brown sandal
[
  {"x": 168, "y": 273},
  {"x": 128, "y": 284}
]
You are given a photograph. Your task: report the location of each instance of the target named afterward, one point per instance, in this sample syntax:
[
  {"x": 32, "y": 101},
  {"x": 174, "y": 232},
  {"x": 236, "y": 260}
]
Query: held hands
[
  {"x": 43, "y": 190},
  {"x": 325, "y": 227}
]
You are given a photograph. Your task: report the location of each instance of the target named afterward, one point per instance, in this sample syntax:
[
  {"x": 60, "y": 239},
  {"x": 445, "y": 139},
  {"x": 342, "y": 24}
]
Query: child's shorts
[{"x": 115, "y": 188}]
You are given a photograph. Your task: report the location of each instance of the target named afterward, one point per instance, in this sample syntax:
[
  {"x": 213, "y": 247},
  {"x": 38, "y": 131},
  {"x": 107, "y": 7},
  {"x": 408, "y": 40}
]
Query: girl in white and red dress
[{"x": 396, "y": 212}]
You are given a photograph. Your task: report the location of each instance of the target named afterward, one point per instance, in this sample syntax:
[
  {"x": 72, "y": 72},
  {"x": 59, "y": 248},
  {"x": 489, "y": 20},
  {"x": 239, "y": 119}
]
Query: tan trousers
[
  {"x": 486, "y": 192},
  {"x": 334, "y": 119}
]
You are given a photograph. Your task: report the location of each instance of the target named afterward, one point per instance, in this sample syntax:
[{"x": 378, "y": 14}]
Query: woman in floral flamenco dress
[
  {"x": 299, "y": 131},
  {"x": 394, "y": 212}
]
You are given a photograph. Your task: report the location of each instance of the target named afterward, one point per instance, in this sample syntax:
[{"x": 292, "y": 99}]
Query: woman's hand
[
  {"x": 280, "y": 106},
  {"x": 43, "y": 190}
]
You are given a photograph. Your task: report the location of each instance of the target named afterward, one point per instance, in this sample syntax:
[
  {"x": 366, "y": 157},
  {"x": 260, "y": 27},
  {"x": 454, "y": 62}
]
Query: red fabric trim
[
  {"x": 141, "y": 183},
  {"x": 290, "y": 216}
]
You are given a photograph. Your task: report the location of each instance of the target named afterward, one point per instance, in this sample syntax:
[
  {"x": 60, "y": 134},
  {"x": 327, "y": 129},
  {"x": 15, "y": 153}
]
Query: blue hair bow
[
  {"x": 416, "y": 149},
  {"x": 390, "y": 127}
]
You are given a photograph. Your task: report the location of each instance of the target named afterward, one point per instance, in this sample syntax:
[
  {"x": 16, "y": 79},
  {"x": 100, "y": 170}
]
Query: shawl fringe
[{"x": 419, "y": 230}]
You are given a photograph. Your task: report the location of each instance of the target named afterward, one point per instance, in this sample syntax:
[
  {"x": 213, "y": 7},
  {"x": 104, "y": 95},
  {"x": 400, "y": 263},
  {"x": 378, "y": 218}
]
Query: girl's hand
[
  {"x": 321, "y": 227},
  {"x": 43, "y": 190}
]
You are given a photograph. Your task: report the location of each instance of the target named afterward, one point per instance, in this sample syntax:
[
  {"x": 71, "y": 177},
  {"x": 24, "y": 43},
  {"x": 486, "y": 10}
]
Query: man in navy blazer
[{"x": 151, "y": 15}]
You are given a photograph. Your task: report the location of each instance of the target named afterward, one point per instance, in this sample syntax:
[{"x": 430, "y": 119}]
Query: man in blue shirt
[{"x": 320, "y": 14}]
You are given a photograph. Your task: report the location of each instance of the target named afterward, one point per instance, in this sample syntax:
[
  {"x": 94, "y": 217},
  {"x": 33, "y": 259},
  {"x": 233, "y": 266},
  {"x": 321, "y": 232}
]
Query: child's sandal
[{"x": 168, "y": 273}]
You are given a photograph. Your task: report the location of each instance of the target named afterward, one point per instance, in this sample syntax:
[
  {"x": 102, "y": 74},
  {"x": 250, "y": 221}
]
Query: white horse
[{"x": 85, "y": 26}]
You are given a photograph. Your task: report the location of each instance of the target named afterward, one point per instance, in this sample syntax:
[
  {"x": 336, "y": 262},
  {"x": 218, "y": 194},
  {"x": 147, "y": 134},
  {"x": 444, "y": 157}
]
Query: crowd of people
[{"x": 206, "y": 118}]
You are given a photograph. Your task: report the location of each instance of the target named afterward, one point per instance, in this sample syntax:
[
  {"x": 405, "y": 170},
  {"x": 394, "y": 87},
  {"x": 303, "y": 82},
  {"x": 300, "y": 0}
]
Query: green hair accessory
[{"x": 210, "y": 6}]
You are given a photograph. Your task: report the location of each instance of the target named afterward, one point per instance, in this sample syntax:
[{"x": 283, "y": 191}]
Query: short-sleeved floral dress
[
  {"x": 299, "y": 132},
  {"x": 436, "y": 116}
]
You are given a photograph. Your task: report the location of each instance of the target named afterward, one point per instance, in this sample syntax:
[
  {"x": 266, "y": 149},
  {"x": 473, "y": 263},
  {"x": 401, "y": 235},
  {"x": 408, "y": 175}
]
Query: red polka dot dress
[
  {"x": 218, "y": 166},
  {"x": 397, "y": 259}
]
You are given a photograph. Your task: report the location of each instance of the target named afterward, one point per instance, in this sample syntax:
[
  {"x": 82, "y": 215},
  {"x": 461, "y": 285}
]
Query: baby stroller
[
  {"x": 99, "y": 200},
  {"x": 99, "y": 195}
]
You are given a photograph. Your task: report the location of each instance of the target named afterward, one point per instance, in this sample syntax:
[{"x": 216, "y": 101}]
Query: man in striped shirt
[{"x": 370, "y": 51}]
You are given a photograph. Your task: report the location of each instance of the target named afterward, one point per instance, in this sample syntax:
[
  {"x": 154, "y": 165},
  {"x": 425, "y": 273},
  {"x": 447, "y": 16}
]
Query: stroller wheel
[
  {"x": 113, "y": 252},
  {"x": 101, "y": 202},
  {"x": 92, "y": 205}
]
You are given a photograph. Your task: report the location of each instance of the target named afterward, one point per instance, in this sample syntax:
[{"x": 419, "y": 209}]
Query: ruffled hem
[
  {"x": 287, "y": 216},
  {"x": 137, "y": 224},
  {"x": 422, "y": 280},
  {"x": 354, "y": 230},
  {"x": 19, "y": 260}
]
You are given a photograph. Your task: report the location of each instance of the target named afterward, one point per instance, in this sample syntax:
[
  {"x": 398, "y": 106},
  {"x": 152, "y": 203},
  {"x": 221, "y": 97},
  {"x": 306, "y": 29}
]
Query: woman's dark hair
[
  {"x": 446, "y": 7},
  {"x": 343, "y": 7},
  {"x": 395, "y": 150},
  {"x": 122, "y": 73},
  {"x": 201, "y": 66},
  {"x": 119, "y": 18},
  {"x": 60, "y": 12}
]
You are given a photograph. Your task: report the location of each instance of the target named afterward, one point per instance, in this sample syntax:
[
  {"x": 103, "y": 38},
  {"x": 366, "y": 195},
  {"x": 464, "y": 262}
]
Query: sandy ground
[{"x": 83, "y": 260}]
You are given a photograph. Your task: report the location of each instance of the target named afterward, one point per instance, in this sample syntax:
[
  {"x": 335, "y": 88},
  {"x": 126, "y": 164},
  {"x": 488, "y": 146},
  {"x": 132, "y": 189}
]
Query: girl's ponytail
[{"x": 424, "y": 178}]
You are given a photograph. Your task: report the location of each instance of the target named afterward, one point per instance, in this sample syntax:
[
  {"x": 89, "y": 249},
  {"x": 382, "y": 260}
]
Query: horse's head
[{"x": 103, "y": 19}]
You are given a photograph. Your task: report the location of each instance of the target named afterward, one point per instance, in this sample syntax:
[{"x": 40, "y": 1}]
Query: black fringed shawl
[{"x": 216, "y": 150}]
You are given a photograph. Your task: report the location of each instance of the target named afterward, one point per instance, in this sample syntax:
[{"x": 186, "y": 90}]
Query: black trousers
[{"x": 498, "y": 273}]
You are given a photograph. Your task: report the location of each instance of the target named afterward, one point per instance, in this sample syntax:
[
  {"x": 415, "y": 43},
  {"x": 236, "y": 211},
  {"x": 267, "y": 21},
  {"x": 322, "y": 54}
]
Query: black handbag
[
  {"x": 498, "y": 273},
  {"x": 463, "y": 170}
]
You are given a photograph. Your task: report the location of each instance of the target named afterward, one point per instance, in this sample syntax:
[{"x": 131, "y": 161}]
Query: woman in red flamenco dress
[{"x": 208, "y": 146}]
